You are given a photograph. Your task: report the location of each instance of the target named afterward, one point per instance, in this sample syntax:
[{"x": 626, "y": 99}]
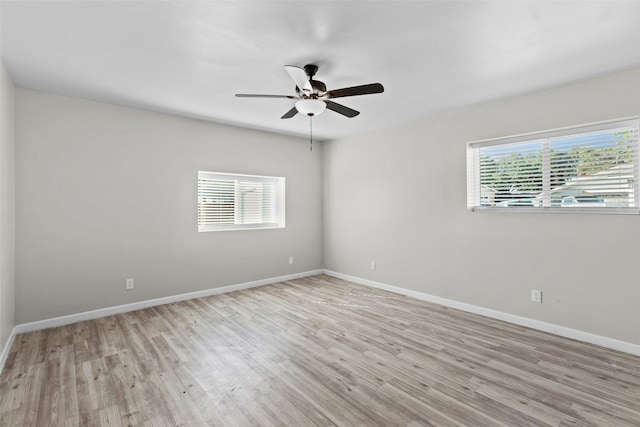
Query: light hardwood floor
[{"x": 312, "y": 351}]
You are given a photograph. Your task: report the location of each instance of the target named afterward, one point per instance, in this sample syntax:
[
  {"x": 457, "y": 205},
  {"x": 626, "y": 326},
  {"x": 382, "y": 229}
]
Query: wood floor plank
[{"x": 316, "y": 351}]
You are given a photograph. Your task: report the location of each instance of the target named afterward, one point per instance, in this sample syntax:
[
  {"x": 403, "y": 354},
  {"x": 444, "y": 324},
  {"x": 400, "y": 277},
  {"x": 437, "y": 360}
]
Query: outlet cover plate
[{"x": 536, "y": 296}]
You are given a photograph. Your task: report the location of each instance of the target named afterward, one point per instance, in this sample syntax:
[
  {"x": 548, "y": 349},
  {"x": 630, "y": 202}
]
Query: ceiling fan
[{"x": 313, "y": 96}]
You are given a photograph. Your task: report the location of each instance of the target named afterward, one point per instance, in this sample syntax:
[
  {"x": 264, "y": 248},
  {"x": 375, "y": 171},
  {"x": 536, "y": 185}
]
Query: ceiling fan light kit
[{"x": 310, "y": 107}]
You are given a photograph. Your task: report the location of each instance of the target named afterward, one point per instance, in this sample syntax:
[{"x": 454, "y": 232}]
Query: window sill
[
  {"x": 563, "y": 211},
  {"x": 206, "y": 229}
]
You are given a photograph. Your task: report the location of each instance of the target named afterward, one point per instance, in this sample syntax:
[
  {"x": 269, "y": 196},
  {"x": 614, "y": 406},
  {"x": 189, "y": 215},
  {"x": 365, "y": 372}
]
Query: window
[
  {"x": 591, "y": 168},
  {"x": 238, "y": 202}
]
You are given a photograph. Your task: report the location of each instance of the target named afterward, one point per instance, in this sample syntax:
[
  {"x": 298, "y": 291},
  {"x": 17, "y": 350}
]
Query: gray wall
[
  {"x": 7, "y": 208},
  {"x": 399, "y": 197},
  {"x": 104, "y": 193}
]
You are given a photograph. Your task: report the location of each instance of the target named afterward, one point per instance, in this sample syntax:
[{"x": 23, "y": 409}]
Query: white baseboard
[
  {"x": 103, "y": 312},
  {"x": 494, "y": 314},
  {"x": 7, "y": 348}
]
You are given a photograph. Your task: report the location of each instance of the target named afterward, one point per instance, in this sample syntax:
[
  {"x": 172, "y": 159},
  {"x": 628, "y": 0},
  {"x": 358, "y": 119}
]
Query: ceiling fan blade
[
  {"x": 356, "y": 90},
  {"x": 339, "y": 108},
  {"x": 290, "y": 113},
  {"x": 299, "y": 77},
  {"x": 251, "y": 95}
]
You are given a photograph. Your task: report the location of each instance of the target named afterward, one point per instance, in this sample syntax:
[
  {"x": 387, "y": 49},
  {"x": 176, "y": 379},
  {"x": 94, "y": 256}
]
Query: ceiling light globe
[{"x": 310, "y": 107}]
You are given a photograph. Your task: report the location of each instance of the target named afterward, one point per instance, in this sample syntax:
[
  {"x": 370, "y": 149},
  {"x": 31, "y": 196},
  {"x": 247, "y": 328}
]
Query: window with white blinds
[
  {"x": 237, "y": 202},
  {"x": 591, "y": 168}
]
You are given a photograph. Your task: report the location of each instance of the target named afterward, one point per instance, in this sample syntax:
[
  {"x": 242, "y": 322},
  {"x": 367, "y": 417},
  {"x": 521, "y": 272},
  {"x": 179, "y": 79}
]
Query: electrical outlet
[
  {"x": 373, "y": 265},
  {"x": 290, "y": 260},
  {"x": 536, "y": 296},
  {"x": 128, "y": 284}
]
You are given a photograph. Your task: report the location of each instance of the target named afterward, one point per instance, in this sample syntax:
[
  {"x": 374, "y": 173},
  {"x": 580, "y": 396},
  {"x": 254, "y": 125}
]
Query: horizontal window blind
[
  {"x": 232, "y": 201},
  {"x": 592, "y": 168}
]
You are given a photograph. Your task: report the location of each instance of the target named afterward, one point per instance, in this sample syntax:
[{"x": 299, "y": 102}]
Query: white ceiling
[{"x": 190, "y": 57}]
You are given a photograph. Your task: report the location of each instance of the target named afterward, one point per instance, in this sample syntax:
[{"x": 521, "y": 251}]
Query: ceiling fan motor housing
[{"x": 318, "y": 89}]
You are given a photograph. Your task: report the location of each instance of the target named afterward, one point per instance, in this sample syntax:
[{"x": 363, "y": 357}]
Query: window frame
[
  {"x": 474, "y": 185},
  {"x": 278, "y": 201}
]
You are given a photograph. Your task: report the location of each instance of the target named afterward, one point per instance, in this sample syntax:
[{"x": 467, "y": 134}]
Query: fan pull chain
[{"x": 310, "y": 133}]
